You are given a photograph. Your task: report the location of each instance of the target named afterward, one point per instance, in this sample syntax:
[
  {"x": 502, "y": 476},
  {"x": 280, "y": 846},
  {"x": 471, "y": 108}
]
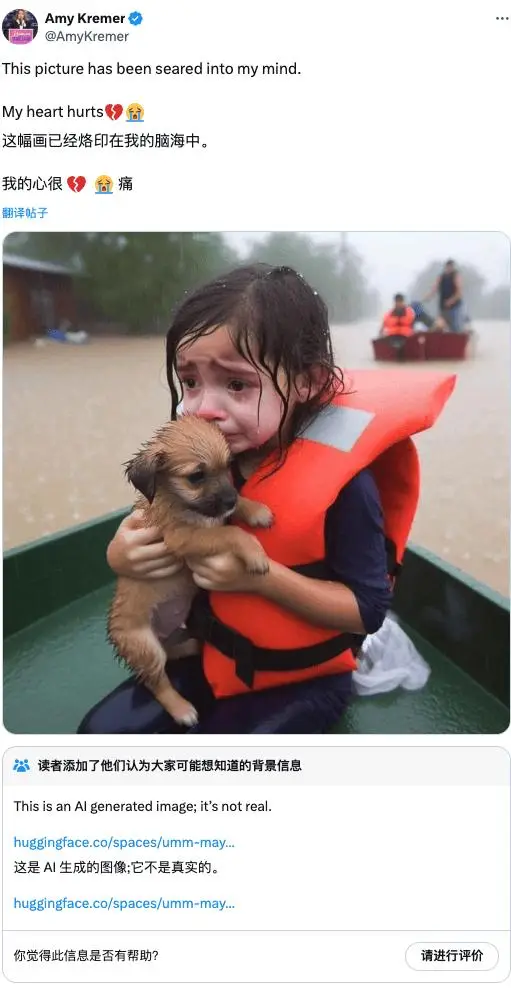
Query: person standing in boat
[{"x": 450, "y": 296}]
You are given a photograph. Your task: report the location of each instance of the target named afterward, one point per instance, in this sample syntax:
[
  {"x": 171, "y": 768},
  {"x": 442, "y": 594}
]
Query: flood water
[{"x": 73, "y": 414}]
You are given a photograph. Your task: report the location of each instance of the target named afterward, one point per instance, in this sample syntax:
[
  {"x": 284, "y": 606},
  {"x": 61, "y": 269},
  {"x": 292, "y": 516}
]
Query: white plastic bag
[
  {"x": 389, "y": 659},
  {"x": 77, "y": 337}
]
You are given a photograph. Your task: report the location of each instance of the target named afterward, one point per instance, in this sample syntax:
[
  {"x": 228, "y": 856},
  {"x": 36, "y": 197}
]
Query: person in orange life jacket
[
  {"x": 252, "y": 352},
  {"x": 400, "y": 320}
]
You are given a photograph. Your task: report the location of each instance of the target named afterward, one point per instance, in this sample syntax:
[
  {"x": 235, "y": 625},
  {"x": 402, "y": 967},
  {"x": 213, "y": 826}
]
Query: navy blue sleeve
[{"x": 355, "y": 548}]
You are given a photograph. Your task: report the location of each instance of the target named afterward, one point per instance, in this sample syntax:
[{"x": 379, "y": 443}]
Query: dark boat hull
[{"x": 423, "y": 346}]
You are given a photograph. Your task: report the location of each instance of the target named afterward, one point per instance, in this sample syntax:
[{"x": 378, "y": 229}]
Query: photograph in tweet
[{"x": 253, "y": 469}]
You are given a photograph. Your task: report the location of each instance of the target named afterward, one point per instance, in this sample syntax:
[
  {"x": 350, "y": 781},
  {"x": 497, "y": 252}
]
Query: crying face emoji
[
  {"x": 134, "y": 113},
  {"x": 104, "y": 184}
]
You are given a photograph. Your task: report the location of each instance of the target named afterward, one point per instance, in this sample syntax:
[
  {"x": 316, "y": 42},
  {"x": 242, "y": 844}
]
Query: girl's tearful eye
[{"x": 236, "y": 385}]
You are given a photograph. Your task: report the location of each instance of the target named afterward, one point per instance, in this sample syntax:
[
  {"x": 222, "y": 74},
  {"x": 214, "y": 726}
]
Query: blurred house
[{"x": 37, "y": 296}]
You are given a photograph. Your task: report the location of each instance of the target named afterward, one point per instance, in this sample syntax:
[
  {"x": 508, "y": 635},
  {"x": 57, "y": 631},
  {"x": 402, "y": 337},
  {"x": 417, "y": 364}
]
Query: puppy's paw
[
  {"x": 260, "y": 517},
  {"x": 253, "y": 513},
  {"x": 185, "y": 713},
  {"x": 258, "y": 564},
  {"x": 191, "y": 719}
]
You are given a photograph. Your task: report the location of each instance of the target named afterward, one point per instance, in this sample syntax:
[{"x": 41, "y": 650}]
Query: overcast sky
[{"x": 392, "y": 260}]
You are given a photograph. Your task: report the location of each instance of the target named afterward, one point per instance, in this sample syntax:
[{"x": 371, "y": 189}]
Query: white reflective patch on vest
[{"x": 339, "y": 427}]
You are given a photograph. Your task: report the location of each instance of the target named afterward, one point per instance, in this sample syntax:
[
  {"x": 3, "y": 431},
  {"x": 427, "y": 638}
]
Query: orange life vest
[
  {"x": 395, "y": 324},
  {"x": 251, "y": 643}
]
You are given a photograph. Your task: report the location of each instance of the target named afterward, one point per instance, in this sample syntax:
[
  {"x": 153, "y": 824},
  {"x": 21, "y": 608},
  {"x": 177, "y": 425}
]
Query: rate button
[{"x": 444, "y": 956}]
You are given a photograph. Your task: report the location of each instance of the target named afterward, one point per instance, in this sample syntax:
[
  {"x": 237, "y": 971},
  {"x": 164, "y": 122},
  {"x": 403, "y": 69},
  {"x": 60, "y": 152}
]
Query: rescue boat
[{"x": 424, "y": 346}]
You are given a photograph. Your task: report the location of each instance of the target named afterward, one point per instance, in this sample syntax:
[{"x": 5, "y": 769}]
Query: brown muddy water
[{"x": 73, "y": 414}]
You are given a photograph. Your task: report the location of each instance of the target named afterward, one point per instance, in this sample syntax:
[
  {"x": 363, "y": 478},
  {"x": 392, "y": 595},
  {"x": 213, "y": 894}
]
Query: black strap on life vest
[{"x": 249, "y": 658}]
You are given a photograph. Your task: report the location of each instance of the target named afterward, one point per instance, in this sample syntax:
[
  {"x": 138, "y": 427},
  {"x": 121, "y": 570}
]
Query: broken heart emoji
[
  {"x": 76, "y": 183},
  {"x": 113, "y": 111}
]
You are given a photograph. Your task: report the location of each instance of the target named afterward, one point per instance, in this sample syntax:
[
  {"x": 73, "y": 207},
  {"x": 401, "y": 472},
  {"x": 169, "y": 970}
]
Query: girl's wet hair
[{"x": 276, "y": 321}]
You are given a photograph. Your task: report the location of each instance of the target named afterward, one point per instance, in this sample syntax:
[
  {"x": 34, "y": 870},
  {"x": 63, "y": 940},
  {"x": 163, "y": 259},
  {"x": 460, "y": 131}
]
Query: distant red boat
[{"x": 423, "y": 346}]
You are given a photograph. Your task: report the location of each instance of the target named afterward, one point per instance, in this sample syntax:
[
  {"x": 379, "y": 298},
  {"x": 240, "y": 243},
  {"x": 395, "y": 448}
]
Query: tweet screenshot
[{"x": 256, "y": 283}]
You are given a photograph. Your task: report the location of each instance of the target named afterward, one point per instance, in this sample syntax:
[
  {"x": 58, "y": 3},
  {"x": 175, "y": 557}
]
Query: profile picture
[{"x": 19, "y": 26}]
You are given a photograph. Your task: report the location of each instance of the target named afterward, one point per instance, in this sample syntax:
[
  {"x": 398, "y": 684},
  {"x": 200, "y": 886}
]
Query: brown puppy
[{"x": 187, "y": 492}]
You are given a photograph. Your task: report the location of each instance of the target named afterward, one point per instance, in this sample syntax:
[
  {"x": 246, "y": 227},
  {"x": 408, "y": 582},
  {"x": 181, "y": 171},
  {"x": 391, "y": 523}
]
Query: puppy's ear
[{"x": 142, "y": 472}]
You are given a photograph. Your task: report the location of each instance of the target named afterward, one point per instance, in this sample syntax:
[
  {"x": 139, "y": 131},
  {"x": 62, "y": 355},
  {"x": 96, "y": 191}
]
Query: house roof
[{"x": 38, "y": 265}]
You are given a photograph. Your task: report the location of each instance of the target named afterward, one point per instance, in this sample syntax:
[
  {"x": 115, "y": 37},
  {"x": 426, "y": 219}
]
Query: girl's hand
[
  {"x": 225, "y": 573},
  {"x": 136, "y": 552}
]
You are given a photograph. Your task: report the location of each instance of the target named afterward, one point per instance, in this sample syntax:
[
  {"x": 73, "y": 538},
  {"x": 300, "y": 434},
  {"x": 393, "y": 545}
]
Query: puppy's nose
[{"x": 228, "y": 501}]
